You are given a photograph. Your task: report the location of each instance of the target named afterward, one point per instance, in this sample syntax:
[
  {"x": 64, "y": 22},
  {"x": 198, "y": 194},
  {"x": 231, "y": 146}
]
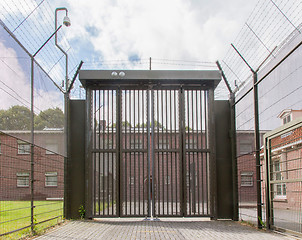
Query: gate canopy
[{"x": 201, "y": 79}]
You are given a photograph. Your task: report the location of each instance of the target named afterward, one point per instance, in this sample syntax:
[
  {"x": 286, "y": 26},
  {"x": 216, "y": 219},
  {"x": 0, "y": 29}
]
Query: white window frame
[
  {"x": 163, "y": 143},
  {"x": 167, "y": 180},
  {"x": 49, "y": 183},
  {"x": 23, "y": 179},
  {"x": 278, "y": 175},
  {"x": 138, "y": 144},
  {"x": 52, "y": 148},
  {"x": 22, "y": 150},
  {"x": 131, "y": 180},
  {"x": 249, "y": 179},
  {"x": 286, "y": 119}
]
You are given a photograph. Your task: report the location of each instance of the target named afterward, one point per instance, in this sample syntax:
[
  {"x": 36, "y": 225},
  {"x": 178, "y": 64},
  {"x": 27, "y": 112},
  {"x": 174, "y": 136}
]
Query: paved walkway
[{"x": 180, "y": 228}]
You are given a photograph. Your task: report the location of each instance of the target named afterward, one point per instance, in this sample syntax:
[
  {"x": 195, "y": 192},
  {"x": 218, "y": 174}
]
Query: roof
[
  {"x": 285, "y": 111},
  {"x": 197, "y": 79}
]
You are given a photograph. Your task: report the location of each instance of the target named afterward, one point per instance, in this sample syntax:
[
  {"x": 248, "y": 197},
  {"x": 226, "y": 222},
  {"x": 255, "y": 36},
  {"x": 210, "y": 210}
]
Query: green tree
[
  {"x": 124, "y": 123},
  {"x": 50, "y": 118},
  {"x": 156, "y": 124},
  {"x": 15, "y": 118}
]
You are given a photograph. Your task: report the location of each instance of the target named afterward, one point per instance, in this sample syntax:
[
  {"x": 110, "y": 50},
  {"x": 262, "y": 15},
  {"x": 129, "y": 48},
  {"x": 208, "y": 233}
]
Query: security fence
[
  {"x": 32, "y": 186},
  {"x": 263, "y": 69},
  {"x": 283, "y": 165}
]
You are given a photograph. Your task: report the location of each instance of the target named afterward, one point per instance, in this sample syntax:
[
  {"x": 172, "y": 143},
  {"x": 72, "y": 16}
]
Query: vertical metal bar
[
  {"x": 104, "y": 137},
  {"x": 99, "y": 155},
  {"x": 206, "y": 146},
  {"x": 202, "y": 147},
  {"x": 162, "y": 152},
  {"x": 197, "y": 140},
  {"x": 126, "y": 155},
  {"x": 166, "y": 153},
  {"x": 189, "y": 149},
  {"x": 94, "y": 154},
  {"x": 152, "y": 150},
  {"x": 108, "y": 147},
  {"x": 267, "y": 154},
  {"x": 257, "y": 149},
  {"x": 183, "y": 152},
  {"x": 193, "y": 145},
  {"x": 143, "y": 139},
  {"x": 139, "y": 154},
  {"x": 118, "y": 150},
  {"x": 130, "y": 163},
  {"x": 158, "y": 161},
  {"x": 148, "y": 145},
  {"x": 135, "y": 154},
  {"x": 171, "y": 154},
  {"x": 112, "y": 154},
  {"x": 176, "y": 149}
]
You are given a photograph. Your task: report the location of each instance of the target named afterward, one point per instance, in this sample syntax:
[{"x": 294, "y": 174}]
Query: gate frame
[{"x": 142, "y": 80}]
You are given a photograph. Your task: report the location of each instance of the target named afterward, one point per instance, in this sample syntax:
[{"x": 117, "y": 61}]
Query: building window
[
  {"x": 23, "y": 147},
  {"x": 247, "y": 179},
  {"x": 51, "y": 179},
  {"x": 279, "y": 188},
  {"x": 52, "y": 148},
  {"x": 245, "y": 147},
  {"x": 23, "y": 179},
  {"x": 286, "y": 119},
  {"x": 192, "y": 144},
  {"x": 131, "y": 180},
  {"x": 163, "y": 143},
  {"x": 136, "y": 144},
  {"x": 167, "y": 180}
]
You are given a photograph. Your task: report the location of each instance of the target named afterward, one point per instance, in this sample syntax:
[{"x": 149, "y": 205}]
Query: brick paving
[{"x": 180, "y": 228}]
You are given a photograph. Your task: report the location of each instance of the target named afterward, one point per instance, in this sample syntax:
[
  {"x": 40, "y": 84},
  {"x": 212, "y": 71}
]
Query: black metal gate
[
  {"x": 151, "y": 150},
  {"x": 150, "y": 153}
]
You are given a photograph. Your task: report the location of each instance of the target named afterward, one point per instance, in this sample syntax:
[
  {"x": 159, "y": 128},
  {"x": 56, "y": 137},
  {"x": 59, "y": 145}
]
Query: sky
[{"x": 115, "y": 34}]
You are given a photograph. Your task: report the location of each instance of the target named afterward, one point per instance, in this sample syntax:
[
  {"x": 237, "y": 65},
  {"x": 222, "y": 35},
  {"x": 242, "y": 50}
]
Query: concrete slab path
[{"x": 176, "y": 228}]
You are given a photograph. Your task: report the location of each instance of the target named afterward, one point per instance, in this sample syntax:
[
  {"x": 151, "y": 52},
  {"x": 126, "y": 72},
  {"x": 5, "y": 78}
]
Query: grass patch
[{"x": 17, "y": 214}]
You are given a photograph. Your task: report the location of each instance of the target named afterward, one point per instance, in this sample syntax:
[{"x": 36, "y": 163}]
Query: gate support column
[
  {"x": 212, "y": 157},
  {"x": 88, "y": 156}
]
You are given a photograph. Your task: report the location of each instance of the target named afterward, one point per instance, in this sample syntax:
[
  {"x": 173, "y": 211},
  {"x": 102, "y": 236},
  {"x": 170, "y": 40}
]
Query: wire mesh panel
[
  {"x": 134, "y": 154},
  {"x": 196, "y": 152},
  {"x": 104, "y": 153},
  {"x": 285, "y": 178},
  {"x": 31, "y": 196}
]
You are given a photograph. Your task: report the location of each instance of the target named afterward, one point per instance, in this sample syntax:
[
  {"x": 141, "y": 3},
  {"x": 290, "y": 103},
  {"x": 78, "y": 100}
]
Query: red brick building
[{"x": 15, "y": 165}]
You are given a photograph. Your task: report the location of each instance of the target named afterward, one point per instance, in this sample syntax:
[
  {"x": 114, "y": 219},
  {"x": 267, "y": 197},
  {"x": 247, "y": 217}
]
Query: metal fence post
[
  {"x": 257, "y": 149},
  {"x": 32, "y": 147}
]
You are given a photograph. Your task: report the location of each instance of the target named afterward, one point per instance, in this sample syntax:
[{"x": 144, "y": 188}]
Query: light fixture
[
  {"x": 122, "y": 74},
  {"x": 66, "y": 21}
]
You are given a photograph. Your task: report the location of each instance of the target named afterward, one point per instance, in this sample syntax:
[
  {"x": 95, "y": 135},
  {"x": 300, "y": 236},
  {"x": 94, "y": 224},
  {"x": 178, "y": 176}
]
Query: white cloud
[
  {"x": 15, "y": 84},
  {"x": 173, "y": 29}
]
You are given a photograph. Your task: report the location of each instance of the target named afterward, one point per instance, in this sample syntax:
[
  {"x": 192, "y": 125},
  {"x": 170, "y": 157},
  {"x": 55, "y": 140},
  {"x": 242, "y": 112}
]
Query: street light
[{"x": 66, "y": 22}]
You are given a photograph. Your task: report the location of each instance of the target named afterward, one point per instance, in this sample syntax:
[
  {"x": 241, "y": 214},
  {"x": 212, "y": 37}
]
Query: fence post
[
  {"x": 257, "y": 149},
  {"x": 32, "y": 146}
]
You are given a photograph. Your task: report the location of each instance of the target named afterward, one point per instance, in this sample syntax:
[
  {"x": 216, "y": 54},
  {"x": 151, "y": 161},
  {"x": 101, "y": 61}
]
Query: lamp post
[{"x": 66, "y": 23}]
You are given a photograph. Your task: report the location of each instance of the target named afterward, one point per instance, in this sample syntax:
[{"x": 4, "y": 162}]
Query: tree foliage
[
  {"x": 15, "y": 118},
  {"x": 50, "y": 118},
  {"x": 18, "y": 118}
]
